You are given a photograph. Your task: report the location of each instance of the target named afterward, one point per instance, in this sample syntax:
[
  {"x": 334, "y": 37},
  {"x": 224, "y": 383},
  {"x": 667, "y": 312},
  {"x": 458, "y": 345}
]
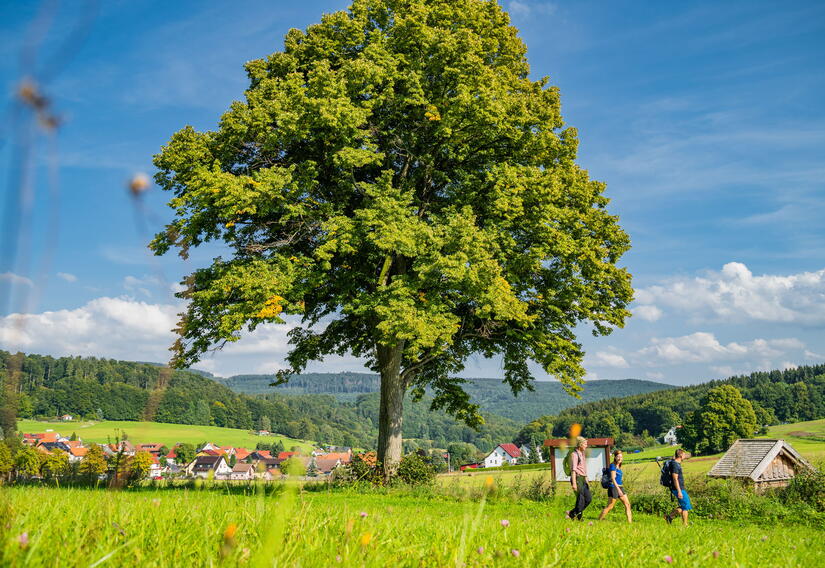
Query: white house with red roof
[{"x": 503, "y": 454}]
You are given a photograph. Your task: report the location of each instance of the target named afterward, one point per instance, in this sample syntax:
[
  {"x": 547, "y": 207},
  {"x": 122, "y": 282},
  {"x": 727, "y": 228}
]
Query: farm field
[
  {"x": 168, "y": 434},
  {"x": 74, "y": 527}
]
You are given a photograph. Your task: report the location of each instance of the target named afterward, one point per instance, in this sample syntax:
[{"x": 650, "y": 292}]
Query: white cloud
[
  {"x": 606, "y": 359},
  {"x": 133, "y": 330},
  {"x": 703, "y": 347},
  {"x": 647, "y": 313},
  {"x": 104, "y": 327},
  {"x": 16, "y": 279},
  {"x": 67, "y": 276},
  {"x": 655, "y": 376},
  {"x": 736, "y": 295}
]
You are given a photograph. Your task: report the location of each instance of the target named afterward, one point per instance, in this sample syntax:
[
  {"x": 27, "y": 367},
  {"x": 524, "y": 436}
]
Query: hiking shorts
[
  {"x": 613, "y": 492},
  {"x": 684, "y": 502}
]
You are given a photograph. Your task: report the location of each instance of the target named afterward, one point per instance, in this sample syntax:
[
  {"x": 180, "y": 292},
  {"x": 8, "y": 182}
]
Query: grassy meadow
[
  {"x": 167, "y": 434},
  {"x": 81, "y": 527},
  {"x": 459, "y": 522}
]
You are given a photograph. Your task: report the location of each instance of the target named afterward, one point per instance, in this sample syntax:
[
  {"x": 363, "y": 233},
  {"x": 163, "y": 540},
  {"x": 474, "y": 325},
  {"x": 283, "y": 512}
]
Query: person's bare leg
[
  {"x": 607, "y": 509},
  {"x": 684, "y": 518},
  {"x": 627, "y": 510}
]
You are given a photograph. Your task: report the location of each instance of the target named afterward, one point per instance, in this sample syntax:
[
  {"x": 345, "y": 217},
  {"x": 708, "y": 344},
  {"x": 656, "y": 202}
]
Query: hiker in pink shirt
[{"x": 578, "y": 479}]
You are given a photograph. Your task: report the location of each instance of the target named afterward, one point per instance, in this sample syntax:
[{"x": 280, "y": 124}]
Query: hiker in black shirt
[{"x": 678, "y": 489}]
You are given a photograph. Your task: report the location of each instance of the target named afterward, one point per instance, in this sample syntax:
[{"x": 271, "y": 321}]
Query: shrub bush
[
  {"x": 413, "y": 470},
  {"x": 364, "y": 468},
  {"x": 807, "y": 487}
]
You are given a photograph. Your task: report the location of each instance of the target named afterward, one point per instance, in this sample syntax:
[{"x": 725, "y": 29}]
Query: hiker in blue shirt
[{"x": 615, "y": 491}]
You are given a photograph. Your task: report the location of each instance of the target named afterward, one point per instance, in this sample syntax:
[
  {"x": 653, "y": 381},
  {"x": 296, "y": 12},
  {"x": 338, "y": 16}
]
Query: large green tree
[
  {"x": 396, "y": 182},
  {"x": 723, "y": 417}
]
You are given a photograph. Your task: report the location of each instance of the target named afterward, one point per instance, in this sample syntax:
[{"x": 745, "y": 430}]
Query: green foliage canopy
[
  {"x": 26, "y": 462},
  {"x": 185, "y": 453},
  {"x": 55, "y": 464},
  {"x": 6, "y": 460},
  {"x": 723, "y": 417},
  {"x": 139, "y": 466},
  {"x": 94, "y": 463},
  {"x": 293, "y": 466}
]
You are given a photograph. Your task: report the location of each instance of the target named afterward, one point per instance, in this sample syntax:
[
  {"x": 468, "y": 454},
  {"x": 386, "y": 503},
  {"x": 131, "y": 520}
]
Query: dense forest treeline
[
  {"x": 346, "y": 383},
  {"x": 492, "y": 395},
  {"x": 792, "y": 395},
  {"x": 106, "y": 389}
]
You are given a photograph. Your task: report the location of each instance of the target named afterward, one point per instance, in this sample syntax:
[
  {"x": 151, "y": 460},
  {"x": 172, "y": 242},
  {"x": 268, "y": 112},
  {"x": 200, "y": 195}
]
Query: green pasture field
[
  {"x": 156, "y": 432},
  {"x": 808, "y": 438},
  {"x": 90, "y": 528}
]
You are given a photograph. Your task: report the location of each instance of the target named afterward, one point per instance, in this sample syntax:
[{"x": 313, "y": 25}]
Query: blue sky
[{"x": 706, "y": 120}]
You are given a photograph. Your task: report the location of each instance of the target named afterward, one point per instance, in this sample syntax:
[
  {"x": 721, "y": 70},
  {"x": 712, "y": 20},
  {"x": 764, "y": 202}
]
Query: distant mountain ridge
[{"x": 493, "y": 395}]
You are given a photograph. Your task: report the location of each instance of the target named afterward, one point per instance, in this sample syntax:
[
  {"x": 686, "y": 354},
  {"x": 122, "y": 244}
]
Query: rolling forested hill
[
  {"x": 493, "y": 395},
  {"x": 105, "y": 389},
  {"x": 792, "y": 395}
]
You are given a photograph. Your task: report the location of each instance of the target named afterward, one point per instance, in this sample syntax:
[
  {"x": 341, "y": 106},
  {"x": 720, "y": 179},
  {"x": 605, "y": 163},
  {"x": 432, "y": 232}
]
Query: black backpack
[
  {"x": 666, "y": 477},
  {"x": 606, "y": 481}
]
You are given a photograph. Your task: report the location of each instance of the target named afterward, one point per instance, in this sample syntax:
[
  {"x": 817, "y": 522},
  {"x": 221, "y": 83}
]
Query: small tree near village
[
  {"x": 94, "y": 464},
  {"x": 139, "y": 466},
  {"x": 397, "y": 187}
]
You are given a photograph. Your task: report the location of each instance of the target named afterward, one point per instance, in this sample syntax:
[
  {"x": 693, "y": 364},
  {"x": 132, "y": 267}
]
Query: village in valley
[
  {"x": 764, "y": 463},
  {"x": 207, "y": 461}
]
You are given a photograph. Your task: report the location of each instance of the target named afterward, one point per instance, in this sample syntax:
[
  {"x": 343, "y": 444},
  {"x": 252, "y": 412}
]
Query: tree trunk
[{"x": 391, "y": 411}]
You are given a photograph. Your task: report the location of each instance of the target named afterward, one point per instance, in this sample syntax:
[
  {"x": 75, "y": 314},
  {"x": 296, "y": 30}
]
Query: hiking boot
[{"x": 567, "y": 516}]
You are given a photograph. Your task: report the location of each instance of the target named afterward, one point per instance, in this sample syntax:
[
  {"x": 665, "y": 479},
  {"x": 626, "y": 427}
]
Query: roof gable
[
  {"x": 207, "y": 462},
  {"x": 750, "y": 458},
  {"x": 511, "y": 449}
]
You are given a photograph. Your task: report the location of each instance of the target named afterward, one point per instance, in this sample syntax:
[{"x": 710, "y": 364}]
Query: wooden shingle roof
[{"x": 750, "y": 458}]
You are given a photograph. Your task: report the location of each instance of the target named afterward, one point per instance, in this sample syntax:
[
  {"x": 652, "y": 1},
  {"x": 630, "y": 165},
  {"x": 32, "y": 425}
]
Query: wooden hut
[
  {"x": 597, "y": 456},
  {"x": 765, "y": 463}
]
